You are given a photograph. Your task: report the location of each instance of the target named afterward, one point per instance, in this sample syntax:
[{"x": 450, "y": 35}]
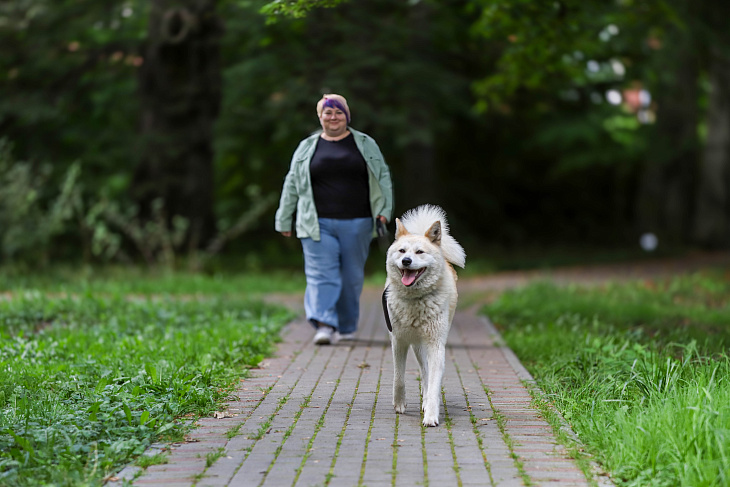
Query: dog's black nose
[{"x": 407, "y": 261}]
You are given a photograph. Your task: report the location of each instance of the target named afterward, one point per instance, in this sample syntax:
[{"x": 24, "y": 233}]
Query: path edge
[{"x": 599, "y": 474}]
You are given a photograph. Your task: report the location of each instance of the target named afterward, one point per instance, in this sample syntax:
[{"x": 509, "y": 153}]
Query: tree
[
  {"x": 68, "y": 84},
  {"x": 666, "y": 191},
  {"x": 180, "y": 91},
  {"x": 681, "y": 196},
  {"x": 401, "y": 66},
  {"x": 712, "y": 228}
]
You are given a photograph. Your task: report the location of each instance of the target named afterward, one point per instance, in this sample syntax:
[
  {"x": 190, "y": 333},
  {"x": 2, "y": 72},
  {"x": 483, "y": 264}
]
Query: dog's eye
[
  {"x": 419, "y": 251},
  {"x": 402, "y": 251}
]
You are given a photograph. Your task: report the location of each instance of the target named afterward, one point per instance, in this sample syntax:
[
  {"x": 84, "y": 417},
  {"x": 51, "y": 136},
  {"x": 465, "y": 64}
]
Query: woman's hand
[
  {"x": 383, "y": 219},
  {"x": 286, "y": 234}
]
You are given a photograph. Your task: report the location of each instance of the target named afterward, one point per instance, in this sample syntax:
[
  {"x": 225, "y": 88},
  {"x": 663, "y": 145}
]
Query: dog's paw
[
  {"x": 430, "y": 420},
  {"x": 399, "y": 397},
  {"x": 430, "y": 414}
]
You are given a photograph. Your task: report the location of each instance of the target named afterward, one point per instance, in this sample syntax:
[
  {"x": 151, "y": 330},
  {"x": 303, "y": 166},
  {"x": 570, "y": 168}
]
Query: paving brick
[{"x": 350, "y": 391}]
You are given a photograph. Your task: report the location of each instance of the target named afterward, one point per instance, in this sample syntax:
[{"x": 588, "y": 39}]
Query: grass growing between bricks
[
  {"x": 639, "y": 370},
  {"x": 213, "y": 457},
  {"x": 317, "y": 428},
  {"x": 449, "y": 423},
  {"x": 234, "y": 431},
  {"x": 475, "y": 426},
  {"x": 304, "y": 405},
  {"x": 145, "y": 461},
  {"x": 341, "y": 434},
  {"x": 502, "y": 425},
  {"x": 557, "y": 424},
  {"x": 370, "y": 431},
  {"x": 265, "y": 427},
  {"x": 88, "y": 381},
  {"x": 424, "y": 452},
  {"x": 395, "y": 445}
]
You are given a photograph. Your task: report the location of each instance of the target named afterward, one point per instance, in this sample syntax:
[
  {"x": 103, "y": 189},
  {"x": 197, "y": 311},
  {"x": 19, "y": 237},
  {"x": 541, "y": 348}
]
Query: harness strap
[{"x": 385, "y": 309}]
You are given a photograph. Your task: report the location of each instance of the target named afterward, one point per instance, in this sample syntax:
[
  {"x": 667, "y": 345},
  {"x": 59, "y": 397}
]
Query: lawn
[
  {"x": 639, "y": 370},
  {"x": 133, "y": 280},
  {"x": 92, "y": 371}
]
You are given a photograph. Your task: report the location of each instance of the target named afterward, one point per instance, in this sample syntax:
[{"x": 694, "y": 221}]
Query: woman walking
[{"x": 339, "y": 185}]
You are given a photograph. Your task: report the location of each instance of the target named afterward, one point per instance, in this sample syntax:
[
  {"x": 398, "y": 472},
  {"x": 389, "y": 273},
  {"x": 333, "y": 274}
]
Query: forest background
[{"x": 160, "y": 131}]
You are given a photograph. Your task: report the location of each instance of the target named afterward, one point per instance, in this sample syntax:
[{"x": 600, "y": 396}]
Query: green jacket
[{"x": 297, "y": 192}]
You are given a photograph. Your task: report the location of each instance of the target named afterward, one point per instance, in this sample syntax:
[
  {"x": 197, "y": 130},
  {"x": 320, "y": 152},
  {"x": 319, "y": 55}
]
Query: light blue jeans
[{"x": 335, "y": 269}]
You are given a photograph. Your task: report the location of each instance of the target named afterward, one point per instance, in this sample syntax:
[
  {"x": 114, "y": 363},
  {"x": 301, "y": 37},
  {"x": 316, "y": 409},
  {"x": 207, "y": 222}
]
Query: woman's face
[{"x": 333, "y": 121}]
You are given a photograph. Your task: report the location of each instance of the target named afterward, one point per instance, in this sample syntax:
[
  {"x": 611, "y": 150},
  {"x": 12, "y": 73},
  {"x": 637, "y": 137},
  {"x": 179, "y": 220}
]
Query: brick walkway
[{"x": 324, "y": 416}]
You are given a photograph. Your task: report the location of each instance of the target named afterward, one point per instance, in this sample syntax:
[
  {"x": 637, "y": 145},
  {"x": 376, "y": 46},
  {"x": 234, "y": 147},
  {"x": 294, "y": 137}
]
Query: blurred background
[{"x": 159, "y": 132}]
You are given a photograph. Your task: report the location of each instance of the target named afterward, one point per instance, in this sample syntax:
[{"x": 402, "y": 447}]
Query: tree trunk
[
  {"x": 712, "y": 228},
  {"x": 666, "y": 189},
  {"x": 180, "y": 91},
  {"x": 419, "y": 171}
]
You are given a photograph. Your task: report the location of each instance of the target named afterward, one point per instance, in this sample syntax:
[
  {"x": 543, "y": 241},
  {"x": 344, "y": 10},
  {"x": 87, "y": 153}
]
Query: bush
[{"x": 30, "y": 216}]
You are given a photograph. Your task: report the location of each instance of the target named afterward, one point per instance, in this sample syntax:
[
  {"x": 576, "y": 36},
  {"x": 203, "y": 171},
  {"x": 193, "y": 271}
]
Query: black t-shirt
[{"x": 340, "y": 180}]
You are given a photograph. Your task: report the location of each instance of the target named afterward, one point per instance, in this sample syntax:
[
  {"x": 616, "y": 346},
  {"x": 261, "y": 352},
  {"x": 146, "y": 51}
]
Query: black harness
[{"x": 385, "y": 309}]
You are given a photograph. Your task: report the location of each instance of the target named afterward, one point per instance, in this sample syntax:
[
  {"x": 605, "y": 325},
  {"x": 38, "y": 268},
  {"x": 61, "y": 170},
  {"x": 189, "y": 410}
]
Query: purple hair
[{"x": 331, "y": 103}]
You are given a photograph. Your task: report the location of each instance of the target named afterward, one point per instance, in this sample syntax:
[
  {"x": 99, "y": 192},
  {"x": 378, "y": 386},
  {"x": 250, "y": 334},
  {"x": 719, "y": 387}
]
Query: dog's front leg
[
  {"x": 400, "y": 353},
  {"x": 432, "y": 398},
  {"x": 421, "y": 353}
]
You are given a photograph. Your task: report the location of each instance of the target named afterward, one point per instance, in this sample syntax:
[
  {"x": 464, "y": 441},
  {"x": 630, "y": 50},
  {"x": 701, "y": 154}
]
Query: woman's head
[
  {"x": 333, "y": 101},
  {"x": 334, "y": 115}
]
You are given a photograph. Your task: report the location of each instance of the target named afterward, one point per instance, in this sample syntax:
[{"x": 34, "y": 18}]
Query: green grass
[
  {"x": 88, "y": 380},
  {"x": 145, "y": 461},
  {"x": 639, "y": 371},
  {"x": 213, "y": 457},
  {"x": 134, "y": 280}
]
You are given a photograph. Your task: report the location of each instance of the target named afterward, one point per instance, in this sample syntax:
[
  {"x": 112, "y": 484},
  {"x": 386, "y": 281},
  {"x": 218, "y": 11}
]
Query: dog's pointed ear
[
  {"x": 434, "y": 233},
  {"x": 400, "y": 229}
]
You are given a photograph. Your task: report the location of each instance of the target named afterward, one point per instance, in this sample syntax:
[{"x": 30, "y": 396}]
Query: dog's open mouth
[{"x": 410, "y": 276}]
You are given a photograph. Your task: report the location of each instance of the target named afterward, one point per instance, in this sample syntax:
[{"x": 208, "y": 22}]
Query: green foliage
[
  {"x": 662, "y": 312},
  {"x": 545, "y": 46},
  {"x": 68, "y": 83},
  {"x": 88, "y": 382},
  {"x": 636, "y": 369},
  {"x": 506, "y": 98},
  {"x": 29, "y": 215},
  {"x": 156, "y": 238},
  {"x": 275, "y": 74},
  {"x": 296, "y": 9},
  {"x": 145, "y": 461}
]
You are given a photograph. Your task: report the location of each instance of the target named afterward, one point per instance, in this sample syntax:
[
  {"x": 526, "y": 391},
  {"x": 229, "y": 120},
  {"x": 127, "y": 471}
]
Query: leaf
[
  {"x": 165, "y": 427},
  {"x": 23, "y": 443},
  {"x": 127, "y": 412},
  {"x": 151, "y": 371},
  {"x": 101, "y": 385},
  {"x": 144, "y": 417}
]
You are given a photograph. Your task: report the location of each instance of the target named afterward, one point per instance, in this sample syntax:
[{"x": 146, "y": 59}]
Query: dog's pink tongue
[{"x": 409, "y": 277}]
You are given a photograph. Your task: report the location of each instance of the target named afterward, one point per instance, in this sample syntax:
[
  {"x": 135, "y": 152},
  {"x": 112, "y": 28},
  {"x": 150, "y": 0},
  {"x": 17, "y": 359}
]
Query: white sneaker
[
  {"x": 325, "y": 335},
  {"x": 347, "y": 336}
]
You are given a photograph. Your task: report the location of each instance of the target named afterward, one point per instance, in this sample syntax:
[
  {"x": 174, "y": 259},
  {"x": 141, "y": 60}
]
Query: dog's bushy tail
[{"x": 419, "y": 220}]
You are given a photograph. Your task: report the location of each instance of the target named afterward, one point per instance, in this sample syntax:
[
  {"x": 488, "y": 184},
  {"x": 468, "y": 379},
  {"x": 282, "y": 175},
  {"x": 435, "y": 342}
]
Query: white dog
[{"x": 419, "y": 301}]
